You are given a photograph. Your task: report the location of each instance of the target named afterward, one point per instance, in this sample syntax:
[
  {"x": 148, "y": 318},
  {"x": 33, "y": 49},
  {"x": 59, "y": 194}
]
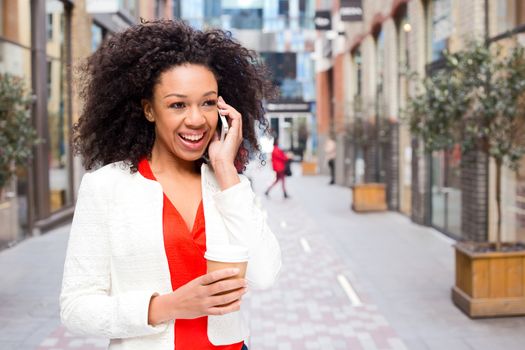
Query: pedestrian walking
[
  {"x": 279, "y": 163},
  {"x": 167, "y": 191},
  {"x": 330, "y": 152}
]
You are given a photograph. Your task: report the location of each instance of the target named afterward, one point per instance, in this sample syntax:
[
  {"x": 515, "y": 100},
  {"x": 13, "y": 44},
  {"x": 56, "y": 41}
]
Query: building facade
[
  {"x": 363, "y": 87},
  {"x": 281, "y": 33},
  {"x": 43, "y": 41}
]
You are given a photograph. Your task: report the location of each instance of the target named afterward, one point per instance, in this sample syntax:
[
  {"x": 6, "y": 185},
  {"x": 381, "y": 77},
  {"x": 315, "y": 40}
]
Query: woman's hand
[
  {"x": 222, "y": 154},
  {"x": 199, "y": 298}
]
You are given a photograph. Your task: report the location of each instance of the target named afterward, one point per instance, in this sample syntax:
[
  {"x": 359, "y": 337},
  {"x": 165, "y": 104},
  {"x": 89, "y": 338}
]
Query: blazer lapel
[{"x": 216, "y": 232}]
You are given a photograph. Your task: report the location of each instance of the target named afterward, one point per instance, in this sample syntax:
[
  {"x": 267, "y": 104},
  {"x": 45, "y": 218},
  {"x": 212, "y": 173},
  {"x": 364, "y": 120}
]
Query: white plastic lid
[{"x": 226, "y": 253}]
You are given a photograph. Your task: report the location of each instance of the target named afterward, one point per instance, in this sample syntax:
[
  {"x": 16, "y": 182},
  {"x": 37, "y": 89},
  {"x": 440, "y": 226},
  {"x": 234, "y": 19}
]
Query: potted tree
[
  {"x": 366, "y": 196},
  {"x": 17, "y": 138},
  {"x": 478, "y": 101}
]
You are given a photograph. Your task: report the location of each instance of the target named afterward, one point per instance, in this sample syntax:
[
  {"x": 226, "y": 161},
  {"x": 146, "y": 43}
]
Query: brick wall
[
  {"x": 392, "y": 167},
  {"x": 474, "y": 196},
  {"x": 370, "y": 155},
  {"x": 420, "y": 185}
]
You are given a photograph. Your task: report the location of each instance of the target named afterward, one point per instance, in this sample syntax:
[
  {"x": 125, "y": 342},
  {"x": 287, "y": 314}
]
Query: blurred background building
[
  {"x": 283, "y": 35},
  {"x": 43, "y": 41},
  {"x": 363, "y": 58}
]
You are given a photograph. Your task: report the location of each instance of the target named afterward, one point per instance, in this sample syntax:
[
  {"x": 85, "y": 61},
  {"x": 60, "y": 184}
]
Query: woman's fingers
[
  {"x": 215, "y": 293},
  {"x": 227, "y": 298},
  {"x": 226, "y": 285},
  {"x": 223, "y": 310},
  {"x": 217, "y": 275}
]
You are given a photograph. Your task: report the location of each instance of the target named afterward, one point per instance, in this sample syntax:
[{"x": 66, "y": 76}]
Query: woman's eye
[
  {"x": 177, "y": 105},
  {"x": 210, "y": 103}
]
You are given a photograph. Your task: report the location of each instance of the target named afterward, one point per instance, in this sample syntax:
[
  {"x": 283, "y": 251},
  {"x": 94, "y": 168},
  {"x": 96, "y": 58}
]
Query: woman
[
  {"x": 279, "y": 160},
  {"x": 135, "y": 270}
]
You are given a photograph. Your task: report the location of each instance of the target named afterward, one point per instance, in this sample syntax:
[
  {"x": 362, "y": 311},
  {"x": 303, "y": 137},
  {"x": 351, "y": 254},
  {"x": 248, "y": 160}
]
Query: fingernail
[
  {"x": 236, "y": 270},
  {"x": 221, "y": 99}
]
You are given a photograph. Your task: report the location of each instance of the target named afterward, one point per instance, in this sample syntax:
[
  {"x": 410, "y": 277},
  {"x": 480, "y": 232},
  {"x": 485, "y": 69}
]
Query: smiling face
[{"x": 184, "y": 110}]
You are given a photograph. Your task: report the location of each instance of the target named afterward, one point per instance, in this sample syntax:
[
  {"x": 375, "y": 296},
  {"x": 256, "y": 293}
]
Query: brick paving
[
  {"x": 401, "y": 274},
  {"x": 61, "y": 339},
  {"x": 308, "y": 309}
]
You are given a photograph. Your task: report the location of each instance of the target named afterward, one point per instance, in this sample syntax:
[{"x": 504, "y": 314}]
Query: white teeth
[{"x": 191, "y": 137}]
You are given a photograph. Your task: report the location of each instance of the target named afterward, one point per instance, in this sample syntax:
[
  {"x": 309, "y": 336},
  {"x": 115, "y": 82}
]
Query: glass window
[
  {"x": 49, "y": 27},
  {"x": 520, "y": 203},
  {"x": 15, "y": 58},
  {"x": 446, "y": 190},
  {"x": 243, "y": 18},
  {"x": 242, "y": 3},
  {"x": 283, "y": 7},
  {"x": 284, "y": 73},
  {"x": 509, "y": 15},
  {"x": 58, "y": 121},
  {"x": 359, "y": 71},
  {"x": 212, "y": 13},
  {"x": 505, "y": 17},
  {"x": 440, "y": 27},
  {"x": 128, "y": 5},
  {"x": 405, "y": 145},
  {"x": 380, "y": 106},
  {"x": 193, "y": 12},
  {"x": 380, "y": 52},
  {"x": 97, "y": 35},
  {"x": 513, "y": 203}
]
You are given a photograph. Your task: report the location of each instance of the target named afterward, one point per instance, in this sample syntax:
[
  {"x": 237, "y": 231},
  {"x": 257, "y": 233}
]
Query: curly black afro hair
[{"x": 123, "y": 71}]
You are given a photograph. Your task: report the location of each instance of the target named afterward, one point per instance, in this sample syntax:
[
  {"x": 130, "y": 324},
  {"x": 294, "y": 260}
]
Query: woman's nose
[{"x": 196, "y": 118}]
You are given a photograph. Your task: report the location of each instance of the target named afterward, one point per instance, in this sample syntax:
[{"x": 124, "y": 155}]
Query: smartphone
[{"x": 223, "y": 126}]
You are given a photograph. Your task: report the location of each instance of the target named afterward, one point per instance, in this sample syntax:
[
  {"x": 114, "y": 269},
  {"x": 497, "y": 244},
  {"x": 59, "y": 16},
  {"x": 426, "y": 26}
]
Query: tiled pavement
[
  {"x": 323, "y": 246},
  {"x": 308, "y": 308}
]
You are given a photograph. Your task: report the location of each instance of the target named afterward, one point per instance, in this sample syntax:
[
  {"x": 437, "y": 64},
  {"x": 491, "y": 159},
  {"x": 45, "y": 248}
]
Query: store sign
[
  {"x": 288, "y": 107},
  {"x": 351, "y": 10},
  {"x": 323, "y": 20}
]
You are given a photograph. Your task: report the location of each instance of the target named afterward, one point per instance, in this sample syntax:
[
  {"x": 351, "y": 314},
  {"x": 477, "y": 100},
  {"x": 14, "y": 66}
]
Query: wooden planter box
[
  {"x": 309, "y": 168},
  {"x": 369, "y": 197},
  {"x": 489, "y": 284},
  {"x": 8, "y": 220}
]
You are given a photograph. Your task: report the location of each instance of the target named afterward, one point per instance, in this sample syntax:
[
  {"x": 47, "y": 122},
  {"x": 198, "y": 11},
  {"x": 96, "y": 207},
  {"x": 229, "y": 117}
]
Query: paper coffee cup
[{"x": 227, "y": 256}]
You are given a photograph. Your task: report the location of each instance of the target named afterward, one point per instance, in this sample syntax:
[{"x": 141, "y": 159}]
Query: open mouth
[{"x": 193, "y": 138}]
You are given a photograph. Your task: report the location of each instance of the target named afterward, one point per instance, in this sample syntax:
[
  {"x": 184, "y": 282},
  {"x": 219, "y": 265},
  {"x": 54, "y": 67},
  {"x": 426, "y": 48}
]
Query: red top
[
  {"x": 278, "y": 159},
  {"x": 185, "y": 253}
]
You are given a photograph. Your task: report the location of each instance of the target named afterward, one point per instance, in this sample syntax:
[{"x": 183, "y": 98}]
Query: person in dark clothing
[{"x": 330, "y": 152}]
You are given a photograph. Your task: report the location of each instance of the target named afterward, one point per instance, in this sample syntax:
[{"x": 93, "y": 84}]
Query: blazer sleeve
[
  {"x": 247, "y": 226},
  {"x": 86, "y": 304}
]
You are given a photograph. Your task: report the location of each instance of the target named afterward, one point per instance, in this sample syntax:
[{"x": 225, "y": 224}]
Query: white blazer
[{"x": 116, "y": 259}]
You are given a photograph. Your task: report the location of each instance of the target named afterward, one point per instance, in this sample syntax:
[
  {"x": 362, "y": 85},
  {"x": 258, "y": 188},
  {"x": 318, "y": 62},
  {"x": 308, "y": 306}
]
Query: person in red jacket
[{"x": 279, "y": 160}]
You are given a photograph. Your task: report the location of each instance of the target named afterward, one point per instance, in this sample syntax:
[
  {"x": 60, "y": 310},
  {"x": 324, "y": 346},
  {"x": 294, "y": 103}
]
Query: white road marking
[
  {"x": 306, "y": 245},
  {"x": 350, "y": 292}
]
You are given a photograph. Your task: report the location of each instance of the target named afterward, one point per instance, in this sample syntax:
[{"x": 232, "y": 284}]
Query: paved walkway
[{"x": 349, "y": 281}]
